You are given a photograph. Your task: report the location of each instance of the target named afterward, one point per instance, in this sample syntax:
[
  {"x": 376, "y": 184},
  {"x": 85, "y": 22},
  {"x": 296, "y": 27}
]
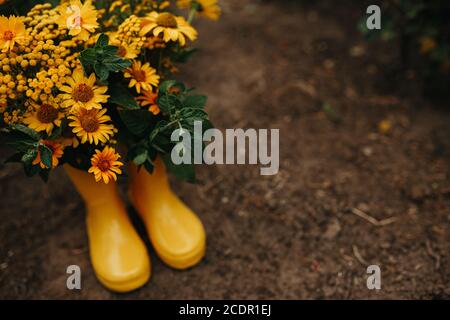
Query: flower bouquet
[{"x": 90, "y": 86}]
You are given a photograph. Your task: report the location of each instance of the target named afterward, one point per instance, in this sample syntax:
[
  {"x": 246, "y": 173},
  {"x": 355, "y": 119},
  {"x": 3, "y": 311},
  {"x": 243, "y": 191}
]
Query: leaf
[
  {"x": 88, "y": 56},
  {"x": 102, "y": 71},
  {"x": 103, "y": 59},
  {"x": 183, "y": 55},
  {"x": 165, "y": 86},
  {"x": 29, "y": 156},
  {"x": 25, "y": 130},
  {"x": 121, "y": 96},
  {"x": 141, "y": 158},
  {"x": 167, "y": 103},
  {"x": 137, "y": 121},
  {"x": 195, "y": 101},
  {"x": 149, "y": 166},
  {"x": 102, "y": 41},
  {"x": 46, "y": 155},
  {"x": 30, "y": 169}
]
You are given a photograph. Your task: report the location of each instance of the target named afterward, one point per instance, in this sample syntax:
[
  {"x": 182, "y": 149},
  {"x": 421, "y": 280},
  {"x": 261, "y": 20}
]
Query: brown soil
[{"x": 296, "y": 235}]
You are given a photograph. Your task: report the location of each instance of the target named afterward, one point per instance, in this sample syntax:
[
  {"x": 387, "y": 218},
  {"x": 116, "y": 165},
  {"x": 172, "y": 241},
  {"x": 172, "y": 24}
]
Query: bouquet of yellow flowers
[{"x": 79, "y": 79}]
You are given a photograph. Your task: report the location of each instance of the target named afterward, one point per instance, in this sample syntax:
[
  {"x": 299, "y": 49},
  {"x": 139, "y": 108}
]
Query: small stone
[
  {"x": 357, "y": 51},
  {"x": 367, "y": 151},
  {"x": 333, "y": 229}
]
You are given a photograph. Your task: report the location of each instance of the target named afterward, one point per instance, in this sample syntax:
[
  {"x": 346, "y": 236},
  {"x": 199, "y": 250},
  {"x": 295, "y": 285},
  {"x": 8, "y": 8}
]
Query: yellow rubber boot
[
  {"x": 176, "y": 233},
  {"x": 119, "y": 256}
]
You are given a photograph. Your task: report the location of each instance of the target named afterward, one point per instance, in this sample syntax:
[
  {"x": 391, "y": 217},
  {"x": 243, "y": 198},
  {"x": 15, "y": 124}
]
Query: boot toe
[{"x": 123, "y": 277}]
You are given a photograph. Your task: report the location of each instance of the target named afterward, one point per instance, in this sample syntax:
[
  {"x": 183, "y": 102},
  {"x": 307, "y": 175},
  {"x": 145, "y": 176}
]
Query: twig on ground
[
  {"x": 212, "y": 184},
  {"x": 358, "y": 256},
  {"x": 372, "y": 220},
  {"x": 434, "y": 255}
]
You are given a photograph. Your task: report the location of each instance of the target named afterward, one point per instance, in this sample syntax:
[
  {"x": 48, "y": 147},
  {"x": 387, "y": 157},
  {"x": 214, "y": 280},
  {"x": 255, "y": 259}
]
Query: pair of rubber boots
[{"x": 119, "y": 256}]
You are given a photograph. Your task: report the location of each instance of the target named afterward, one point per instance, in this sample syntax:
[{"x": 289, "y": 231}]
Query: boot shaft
[{"x": 93, "y": 193}]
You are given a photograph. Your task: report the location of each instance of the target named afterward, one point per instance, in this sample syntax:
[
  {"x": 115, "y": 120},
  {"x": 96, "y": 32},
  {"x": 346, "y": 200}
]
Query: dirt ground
[{"x": 346, "y": 196}]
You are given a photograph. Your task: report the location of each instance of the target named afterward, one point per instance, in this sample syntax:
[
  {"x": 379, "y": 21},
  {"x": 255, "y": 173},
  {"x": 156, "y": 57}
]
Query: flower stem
[{"x": 194, "y": 8}]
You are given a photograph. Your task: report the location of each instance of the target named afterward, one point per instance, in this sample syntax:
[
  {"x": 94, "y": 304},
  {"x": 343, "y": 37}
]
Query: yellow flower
[
  {"x": 207, "y": 8},
  {"x": 81, "y": 92},
  {"x": 43, "y": 117},
  {"x": 105, "y": 165},
  {"x": 149, "y": 99},
  {"x": 171, "y": 27},
  {"x": 57, "y": 152},
  {"x": 124, "y": 50},
  {"x": 89, "y": 125},
  {"x": 142, "y": 76},
  {"x": 12, "y": 30},
  {"x": 80, "y": 19}
]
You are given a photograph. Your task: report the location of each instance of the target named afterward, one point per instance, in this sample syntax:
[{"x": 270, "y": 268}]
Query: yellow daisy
[
  {"x": 43, "y": 117},
  {"x": 89, "y": 125},
  {"x": 149, "y": 98},
  {"x": 141, "y": 76},
  {"x": 81, "y": 92},
  {"x": 105, "y": 165},
  {"x": 12, "y": 30},
  {"x": 57, "y": 152},
  {"x": 80, "y": 19},
  {"x": 124, "y": 50},
  {"x": 170, "y": 27},
  {"x": 207, "y": 8}
]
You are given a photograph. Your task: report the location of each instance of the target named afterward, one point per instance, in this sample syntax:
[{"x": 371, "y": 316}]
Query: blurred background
[{"x": 364, "y": 164}]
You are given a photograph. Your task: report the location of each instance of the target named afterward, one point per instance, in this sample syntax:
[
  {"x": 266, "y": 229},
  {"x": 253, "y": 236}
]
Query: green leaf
[
  {"x": 103, "y": 59},
  {"x": 102, "y": 41},
  {"x": 165, "y": 86},
  {"x": 101, "y": 70},
  {"x": 29, "y": 156},
  {"x": 141, "y": 158},
  {"x": 137, "y": 121},
  {"x": 167, "y": 103},
  {"x": 183, "y": 55},
  {"x": 195, "y": 101},
  {"x": 121, "y": 96},
  {"x": 25, "y": 130},
  {"x": 30, "y": 169},
  {"x": 149, "y": 166},
  {"x": 46, "y": 155}
]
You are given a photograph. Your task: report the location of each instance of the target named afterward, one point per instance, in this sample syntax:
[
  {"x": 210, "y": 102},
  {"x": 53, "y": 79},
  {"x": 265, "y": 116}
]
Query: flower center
[
  {"x": 8, "y": 35},
  {"x": 121, "y": 51},
  {"x": 139, "y": 75},
  {"x": 47, "y": 113},
  {"x": 166, "y": 20},
  {"x": 104, "y": 165},
  {"x": 83, "y": 93},
  {"x": 89, "y": 122}
]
